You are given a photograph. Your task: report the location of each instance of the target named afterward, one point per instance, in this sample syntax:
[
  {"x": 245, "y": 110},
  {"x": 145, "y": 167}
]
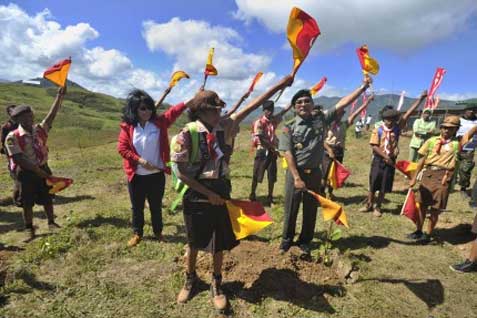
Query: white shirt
[
  {"x": 465, "y": 126},
  {"x": 368, "y": 120},
  {"x": 146, "y": 142}
]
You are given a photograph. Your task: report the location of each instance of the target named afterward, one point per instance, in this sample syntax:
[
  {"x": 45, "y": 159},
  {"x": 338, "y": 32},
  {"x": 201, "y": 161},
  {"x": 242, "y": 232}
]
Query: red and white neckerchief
[
  {"x": 269, "y": 128},
  {"x": 211, "y": 140},
  {"x": 387, "y": 139},
  {"x": 442, "y": 142}
]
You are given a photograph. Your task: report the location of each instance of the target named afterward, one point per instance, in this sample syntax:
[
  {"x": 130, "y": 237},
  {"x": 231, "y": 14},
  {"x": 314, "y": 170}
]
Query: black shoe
[
  {"x": 284, "y": 247},
  {"x": 305, "y": 249},
  {"x": 269, "y": 201},
  {"x": 53, "y": 226},
  {"x": 252, "y": 197},
  {"x": 465, "y": 267},
  {"x": 415, "y": 235},
  {"x": 424, "y": 239}
]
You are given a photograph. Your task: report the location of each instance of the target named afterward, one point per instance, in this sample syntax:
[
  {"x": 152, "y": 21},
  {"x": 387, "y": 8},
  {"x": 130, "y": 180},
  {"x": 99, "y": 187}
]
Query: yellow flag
[
  {"x": 176, "y": 77},
  {"x": 58, "y": 72},
  {"x": 247, "y": 217},
  {"x": 209, "y": 67},
  {"x": 331, "y": 210}
]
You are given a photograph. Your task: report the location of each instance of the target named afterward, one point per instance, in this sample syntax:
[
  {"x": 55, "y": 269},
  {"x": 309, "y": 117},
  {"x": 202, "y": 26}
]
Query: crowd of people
[{"x": 200, "y": 158}]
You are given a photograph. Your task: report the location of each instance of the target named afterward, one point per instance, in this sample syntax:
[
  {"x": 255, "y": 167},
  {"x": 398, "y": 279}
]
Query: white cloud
[
  {"x": 457, "y": 96},
  {"x": 401, "y": 25},
  {"x": 189, "y": 42}
]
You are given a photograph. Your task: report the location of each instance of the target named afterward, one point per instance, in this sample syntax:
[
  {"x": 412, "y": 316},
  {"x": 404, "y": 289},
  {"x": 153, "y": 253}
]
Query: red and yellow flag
[
  {"x": 57, "y": 184},
  {"x": 247, "y": 217},
  {"x": 255, "y": 80},
  {"x": 210, "y": 69},
  {"x": 58, "y": 73},
  {"x": 302, "y": 32},
  {"x": 411, "y": 208},
  {"x": 331, "y": 210},
  {"x": 407, "y": 167},
  {"x": 337, "y": 174},
  {"x": 368, "y": 64},
  {"x": 318, "y": 86},
  {"x": 176, "y": 77}
]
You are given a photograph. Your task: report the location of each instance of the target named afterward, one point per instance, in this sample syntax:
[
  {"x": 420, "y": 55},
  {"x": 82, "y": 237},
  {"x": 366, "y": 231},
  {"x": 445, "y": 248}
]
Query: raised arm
[
  {"x": 347, "y": 100},
  {"x": 405, "y": 117},
  {"x": 352, "y": 116},
  {"x": 237, "y": 105},
  {"x": 164, "y": 95},
  {"x": 284, "y": 82},
  {"x": 468, "y": 135},
  {"x": 50, "y": 117}
]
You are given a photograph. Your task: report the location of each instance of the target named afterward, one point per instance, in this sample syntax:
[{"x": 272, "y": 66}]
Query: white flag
[{"x": 401, "y": 100}]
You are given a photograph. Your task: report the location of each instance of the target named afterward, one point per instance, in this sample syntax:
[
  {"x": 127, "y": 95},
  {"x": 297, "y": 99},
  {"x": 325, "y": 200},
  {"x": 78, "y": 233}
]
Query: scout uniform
[
  {"x": 441, "y": 156},
  {"x": 32, "y": 188},
  {"x": 421, "y": 132},
  {"x": 381, "y": 176},
  {"x": 303, "y": 138},
  {"x": 208, "y": 226}
]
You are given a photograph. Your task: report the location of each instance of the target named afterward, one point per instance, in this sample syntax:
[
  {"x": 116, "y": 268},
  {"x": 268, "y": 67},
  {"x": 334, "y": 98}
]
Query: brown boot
[
  {"x": 134, "y": 240},
  {"x": 184, "y": 294},
  {"x": 218, "y": 298}
]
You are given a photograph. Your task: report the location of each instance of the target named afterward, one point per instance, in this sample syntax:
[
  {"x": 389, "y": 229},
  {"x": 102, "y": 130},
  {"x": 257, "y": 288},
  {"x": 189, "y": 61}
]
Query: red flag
[
  {"x": 368, "y": 64},
  {"x": 337, "y": 174},
  {"x": 318, "y": 86},
  {"x": 57, "y": 184},
  {"x": 353, "y": 105},
  {"x": 436, "y": 82},
  {"x": 410, "y": 209},
  {"x": 255, "y": 80},
  {"x": 302, "y": 31},
  {"x": 247, "y": 217}
]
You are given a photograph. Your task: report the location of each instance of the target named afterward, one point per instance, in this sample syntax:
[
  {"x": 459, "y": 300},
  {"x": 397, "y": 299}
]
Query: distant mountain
[
  {"x": 47, "y": 84},
  {"x": 4, "y": 80}
]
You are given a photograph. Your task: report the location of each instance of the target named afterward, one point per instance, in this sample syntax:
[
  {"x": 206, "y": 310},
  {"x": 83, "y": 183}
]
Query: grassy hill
[{"x": 86, "y": 270}]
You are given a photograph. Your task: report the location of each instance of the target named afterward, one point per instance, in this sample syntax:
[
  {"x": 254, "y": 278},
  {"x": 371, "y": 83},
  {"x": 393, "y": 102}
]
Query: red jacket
[{"x": 125, "y": 140}]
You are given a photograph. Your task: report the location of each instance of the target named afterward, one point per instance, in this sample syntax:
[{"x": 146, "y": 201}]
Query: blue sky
[{"x": 114, "y": 49}]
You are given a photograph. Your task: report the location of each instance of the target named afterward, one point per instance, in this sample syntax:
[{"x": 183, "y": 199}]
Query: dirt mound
[{"x": 255, "y": 270}]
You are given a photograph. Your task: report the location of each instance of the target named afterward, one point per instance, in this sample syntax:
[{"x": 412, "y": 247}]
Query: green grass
[{"x": 86, "y": 270}]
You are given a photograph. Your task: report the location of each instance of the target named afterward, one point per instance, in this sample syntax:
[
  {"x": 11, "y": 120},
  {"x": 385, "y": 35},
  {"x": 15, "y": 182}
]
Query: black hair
[
  {"x": 268, "y": 105},
  {"x": 385, "y": 108},
  {"x": 9, "y": 109},
  {"x": 300, "y": 93},
  {"x": 135, "y": 98}
]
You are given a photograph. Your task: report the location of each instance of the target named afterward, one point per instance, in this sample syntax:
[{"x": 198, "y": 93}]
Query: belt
[{"x": 308, "y": 171}]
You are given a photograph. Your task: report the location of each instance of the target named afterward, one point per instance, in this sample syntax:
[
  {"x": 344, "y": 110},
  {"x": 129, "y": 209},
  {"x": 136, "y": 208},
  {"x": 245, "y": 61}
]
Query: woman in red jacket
[{"x": 144, "y": 145}]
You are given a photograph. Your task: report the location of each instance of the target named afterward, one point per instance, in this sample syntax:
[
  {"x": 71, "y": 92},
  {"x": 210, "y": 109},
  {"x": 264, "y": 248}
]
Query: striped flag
[{"x": 436, "y": 82}]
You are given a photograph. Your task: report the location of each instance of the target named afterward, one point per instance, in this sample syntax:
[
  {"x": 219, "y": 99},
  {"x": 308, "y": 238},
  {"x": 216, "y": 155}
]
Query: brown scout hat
[
  {"x": 205, "y": 100},
  {"x": 451, "y": 121}
]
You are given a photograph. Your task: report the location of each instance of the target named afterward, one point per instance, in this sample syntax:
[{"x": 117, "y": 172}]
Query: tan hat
[
  {"x": 205, "y": 100},
  {"x": 451, "y": 121}
]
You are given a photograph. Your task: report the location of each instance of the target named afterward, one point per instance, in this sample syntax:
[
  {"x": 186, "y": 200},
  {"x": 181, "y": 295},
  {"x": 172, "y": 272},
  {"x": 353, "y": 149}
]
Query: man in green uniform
[
  {"x": 302, "y": 143},
  {"x": 422, "y": 129},
  {"x": 466, "y": 155}
]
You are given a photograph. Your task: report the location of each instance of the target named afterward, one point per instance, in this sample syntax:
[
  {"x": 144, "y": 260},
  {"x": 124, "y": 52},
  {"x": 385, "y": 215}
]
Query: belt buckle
[{"x": 307, "y": 171}]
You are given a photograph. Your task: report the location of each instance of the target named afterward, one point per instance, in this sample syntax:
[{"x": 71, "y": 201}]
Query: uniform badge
[{"x": 299, "y": 146}]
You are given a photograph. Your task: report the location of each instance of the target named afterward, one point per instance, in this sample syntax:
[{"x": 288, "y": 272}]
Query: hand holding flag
[{"x": 58, "y": 73}]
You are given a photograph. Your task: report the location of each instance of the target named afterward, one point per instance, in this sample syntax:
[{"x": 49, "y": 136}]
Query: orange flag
[
  {"x": 331, "y": 210},
  {"x": 255, "y": 80},
  {"x": 58, "y": 72},
  {"x": 176, "y": 77},
  {"x": 411, "y": 208},
  {"x": 407, "y": 167},
  {"x": 302, "y": 31},
  {"x": 57, "y": 184},
  {"x": 337, "y": 174},
  {"x": 318, "y": 86},
  {"x": 247, "y": 217},
  {"x": 368, "y": 64},
  {"x": 210, "y": 69}
]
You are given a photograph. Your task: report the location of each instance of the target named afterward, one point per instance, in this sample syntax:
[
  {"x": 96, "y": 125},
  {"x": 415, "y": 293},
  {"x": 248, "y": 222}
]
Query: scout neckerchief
[
  {"x": 387, "y": 139},
  {"x": 269, "y": 127},
  {"x": 440, "y": 143}
]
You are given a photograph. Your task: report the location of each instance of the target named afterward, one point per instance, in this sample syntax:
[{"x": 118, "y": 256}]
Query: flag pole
[
  {"x": 205, "y": 80},
  {"x": 405, "y": 201}
]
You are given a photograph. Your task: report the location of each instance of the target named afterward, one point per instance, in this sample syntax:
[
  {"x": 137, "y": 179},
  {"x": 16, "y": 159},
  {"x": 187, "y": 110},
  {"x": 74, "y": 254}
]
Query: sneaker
[
  {"x": 465, "y": 267},
  {"x": 184, "y": 294},
  {"x": 377, "y": 212},
  {"x": 53, "y": 226},
  {"x": 30, "y": 234},
  {"x": 134, "y": 240},
  {"x": 218, "y": 298},
  {"x": 252, "y": 197},
  {"x": 415, "y": 235},
  {"x": 365, "y": 208}
]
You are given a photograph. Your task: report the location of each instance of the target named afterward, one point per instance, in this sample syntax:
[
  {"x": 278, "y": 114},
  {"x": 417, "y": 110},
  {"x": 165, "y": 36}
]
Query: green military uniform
[
  {"x": 421, "y": 131},
  {"x": 466, "y": 155},
  {"x": 304, "y": 138}
]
